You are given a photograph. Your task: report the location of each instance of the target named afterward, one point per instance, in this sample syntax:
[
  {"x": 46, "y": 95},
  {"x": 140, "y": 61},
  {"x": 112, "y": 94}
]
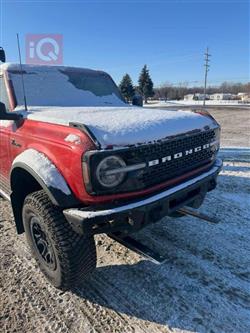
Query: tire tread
[{"x": 76, "y": 253}]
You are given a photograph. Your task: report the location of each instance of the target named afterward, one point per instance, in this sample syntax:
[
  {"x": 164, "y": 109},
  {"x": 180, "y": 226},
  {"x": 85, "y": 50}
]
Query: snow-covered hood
[{"x": 123, "y": 126}]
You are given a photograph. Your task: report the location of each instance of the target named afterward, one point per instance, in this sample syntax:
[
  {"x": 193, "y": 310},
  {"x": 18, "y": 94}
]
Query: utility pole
[{"x": 207, "y": 55}]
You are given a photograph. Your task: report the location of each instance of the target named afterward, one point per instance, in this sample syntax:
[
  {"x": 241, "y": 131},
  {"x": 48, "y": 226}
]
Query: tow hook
[{"x": 192, "y": 212}]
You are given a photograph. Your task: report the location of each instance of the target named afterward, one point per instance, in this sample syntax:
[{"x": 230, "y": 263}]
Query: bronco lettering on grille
[{"x": 180, "y": 154}]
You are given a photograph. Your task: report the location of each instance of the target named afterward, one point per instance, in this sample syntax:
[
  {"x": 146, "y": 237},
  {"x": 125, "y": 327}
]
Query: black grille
[
  {"x": 164, "y": 171},
  {"x": 157, "y": 174}
]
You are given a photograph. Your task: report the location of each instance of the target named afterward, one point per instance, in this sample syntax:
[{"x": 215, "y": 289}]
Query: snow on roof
[
  {"x": 63, "y": 86},
  {"x": 12, "y": 67}
]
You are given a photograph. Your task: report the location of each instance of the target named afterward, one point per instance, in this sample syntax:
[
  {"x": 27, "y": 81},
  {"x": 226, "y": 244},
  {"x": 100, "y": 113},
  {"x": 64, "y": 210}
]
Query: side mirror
[
  {"x": 2, "y": 55},
  {"x": 4, "y": 115},
  {"x": 137, "y": 100}
]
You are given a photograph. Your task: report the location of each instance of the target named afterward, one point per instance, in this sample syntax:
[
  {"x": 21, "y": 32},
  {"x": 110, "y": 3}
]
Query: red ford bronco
[{"x": 76, "y": 161}]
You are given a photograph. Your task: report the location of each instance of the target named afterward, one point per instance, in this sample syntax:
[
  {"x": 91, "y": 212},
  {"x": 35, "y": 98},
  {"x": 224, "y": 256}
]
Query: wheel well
[{"x": 22, "y": 184}]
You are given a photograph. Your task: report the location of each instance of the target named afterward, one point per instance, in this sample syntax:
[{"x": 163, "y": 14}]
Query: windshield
[{"x": 64, "y": 86}]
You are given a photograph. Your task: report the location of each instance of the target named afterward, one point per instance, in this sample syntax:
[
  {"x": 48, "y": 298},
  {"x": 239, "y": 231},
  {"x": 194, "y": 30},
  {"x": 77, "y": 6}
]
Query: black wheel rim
[{"x": 42, "y": 243}]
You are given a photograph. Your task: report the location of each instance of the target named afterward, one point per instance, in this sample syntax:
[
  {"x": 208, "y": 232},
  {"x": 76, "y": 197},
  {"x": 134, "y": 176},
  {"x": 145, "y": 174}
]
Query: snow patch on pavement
[{"x": 239, "y": 199}]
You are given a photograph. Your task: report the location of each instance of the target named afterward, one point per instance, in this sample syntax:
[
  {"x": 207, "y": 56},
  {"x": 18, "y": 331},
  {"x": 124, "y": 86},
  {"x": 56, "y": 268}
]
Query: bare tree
[{"x": 175, "y": 92}]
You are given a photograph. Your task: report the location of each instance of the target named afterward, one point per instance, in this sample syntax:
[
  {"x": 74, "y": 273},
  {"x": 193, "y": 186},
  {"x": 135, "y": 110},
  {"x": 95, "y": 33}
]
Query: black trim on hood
[{"x": 84, "y": 128}]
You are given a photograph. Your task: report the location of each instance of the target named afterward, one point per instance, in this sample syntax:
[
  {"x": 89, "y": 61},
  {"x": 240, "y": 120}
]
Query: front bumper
[{"x": 135, "y": 215}]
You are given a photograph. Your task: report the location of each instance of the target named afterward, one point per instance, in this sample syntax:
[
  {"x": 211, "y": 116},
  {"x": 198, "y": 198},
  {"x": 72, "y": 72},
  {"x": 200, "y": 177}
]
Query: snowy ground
[
  {"x": 192, "y": 102},
  {"x": 204, "y": 285}
]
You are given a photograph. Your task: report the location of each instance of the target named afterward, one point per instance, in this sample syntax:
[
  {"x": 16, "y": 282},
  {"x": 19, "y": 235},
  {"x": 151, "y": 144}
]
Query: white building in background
[
  {"x": 244, "y": 96},
  {"x": 200, "y": 97},
  {"x": 189, "y": 97},
  {"x": 220, "y": 97},
  {"x": 195, "y": 97}
]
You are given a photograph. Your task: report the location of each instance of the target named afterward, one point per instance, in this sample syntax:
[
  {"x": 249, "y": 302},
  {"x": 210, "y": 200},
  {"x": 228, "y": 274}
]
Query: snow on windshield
[{"x": 63, "y": 86}]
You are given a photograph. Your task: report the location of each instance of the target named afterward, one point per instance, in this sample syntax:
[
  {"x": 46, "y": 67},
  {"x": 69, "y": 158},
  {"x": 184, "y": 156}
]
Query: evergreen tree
[
  {"x": 145, "y": 84},
  {"x": 126, "y": 88}
]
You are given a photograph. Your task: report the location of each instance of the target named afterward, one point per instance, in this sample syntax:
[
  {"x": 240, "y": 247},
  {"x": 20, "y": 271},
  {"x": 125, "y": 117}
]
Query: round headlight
[{"x": 108, "y": 173}]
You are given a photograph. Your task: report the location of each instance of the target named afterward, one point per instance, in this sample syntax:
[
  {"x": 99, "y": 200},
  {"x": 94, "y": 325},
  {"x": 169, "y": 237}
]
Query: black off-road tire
[{"x": 70, "y": 257}]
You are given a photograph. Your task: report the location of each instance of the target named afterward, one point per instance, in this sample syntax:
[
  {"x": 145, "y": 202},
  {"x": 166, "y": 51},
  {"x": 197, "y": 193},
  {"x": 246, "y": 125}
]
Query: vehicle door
[{"x": 6, "y": 127}]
